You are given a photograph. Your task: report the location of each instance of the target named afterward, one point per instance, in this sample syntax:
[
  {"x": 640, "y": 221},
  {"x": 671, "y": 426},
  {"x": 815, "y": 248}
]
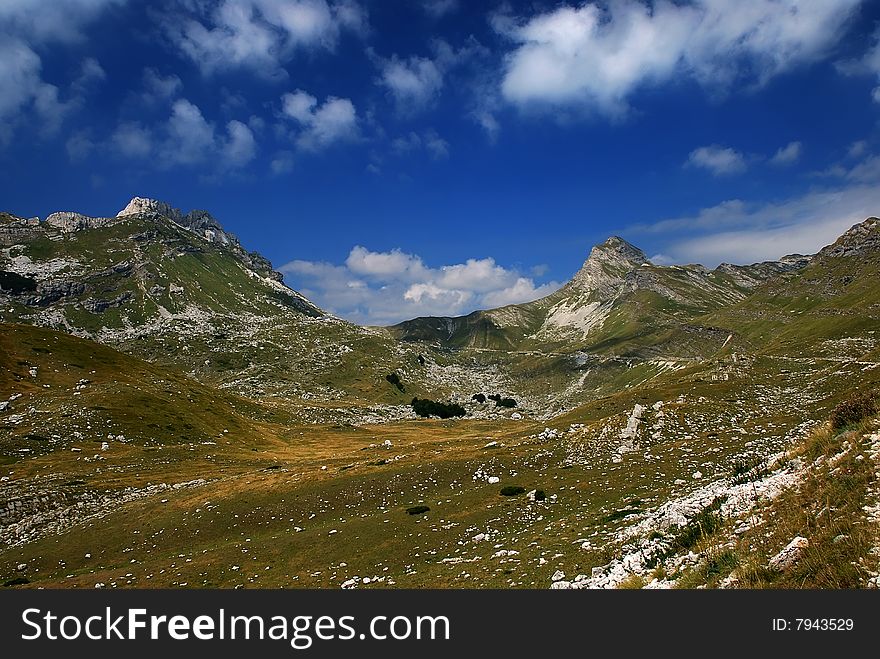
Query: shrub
[
  {"x": 15, "y": 283},
  {"x": 495, "y": 397},
  {"x": 480, "y": 398},
  {"x": 856, "y": 408},
  {"x": 18, "y": 581},
  {"x": 425, "y": 407},
  {"x": 417, "y": 510},
  {"x": 394, "y": 379},
  {"x": 540, "y": 496},
  {"x": 701, "y": 525},
  {"x": 505, "y": 402},
  {"x": 512, "y": 490}
]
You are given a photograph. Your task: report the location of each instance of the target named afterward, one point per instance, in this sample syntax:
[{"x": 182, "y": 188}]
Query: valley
[{"x": 173, "y": 415}]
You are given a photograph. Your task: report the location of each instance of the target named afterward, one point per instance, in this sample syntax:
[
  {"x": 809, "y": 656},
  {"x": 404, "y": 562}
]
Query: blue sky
[{"x": 400, "y": 158}]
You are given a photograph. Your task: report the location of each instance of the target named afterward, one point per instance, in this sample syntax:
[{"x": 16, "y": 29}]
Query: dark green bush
[
  {"x": 540, "y": 496},
  {"x": 480, "y": 398},
  {"x": 856, "y": 408},
  {"x": 417, "y": 510},
  {"x": 394, "y": 379},
  {"x": 18, "y": 581},
  {"x": 505, "y": 402},
  {"x": 16, "y": 283},
  {"x": 512, "y": 490},
  {"x": 425, "y": 407}
]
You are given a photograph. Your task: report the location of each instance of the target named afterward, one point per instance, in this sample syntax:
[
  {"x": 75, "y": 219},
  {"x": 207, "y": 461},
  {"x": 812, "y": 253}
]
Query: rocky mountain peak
[
  {"x": 198, "y": 221},
  {"x": 607, "y": 264},
  {"x": 860, "y": 238},
  {"x": 144, "y": 206},
  {"x": 619, "y": 249}
]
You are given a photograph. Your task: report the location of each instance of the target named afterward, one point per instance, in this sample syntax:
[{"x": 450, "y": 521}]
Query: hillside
[{"x": 180, "y": 291}]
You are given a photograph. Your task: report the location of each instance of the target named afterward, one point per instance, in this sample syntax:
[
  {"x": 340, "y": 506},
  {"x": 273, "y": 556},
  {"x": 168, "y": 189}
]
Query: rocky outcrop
[
  {"x": 52, "y": 291},
  {"x": 750, "y": 276},
  {"x": 68, "y": 222},
  {"x": 200, "y": 222},
  {"x": 14, "y": 230},
  {"x": 100, "y": 306},
  {"x": 860, "y": 239}
]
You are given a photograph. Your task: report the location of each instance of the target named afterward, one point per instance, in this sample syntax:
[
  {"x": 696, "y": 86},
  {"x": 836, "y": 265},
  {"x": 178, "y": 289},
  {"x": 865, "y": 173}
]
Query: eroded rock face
[{"x": 69, "y": 222}]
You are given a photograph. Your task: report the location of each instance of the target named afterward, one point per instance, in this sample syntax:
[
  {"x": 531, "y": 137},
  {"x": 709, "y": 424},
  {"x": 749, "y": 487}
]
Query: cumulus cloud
[
  {"x": 718, "y": 160},
  {"x": 261, "y": 35},
  {"x": 412, "y": 82},
  {"x": 788, "y": 154},
  {"x": 388, "y": 287},
  {"x": 596, "y": 55},
  {"x": 335, "y": 120}
]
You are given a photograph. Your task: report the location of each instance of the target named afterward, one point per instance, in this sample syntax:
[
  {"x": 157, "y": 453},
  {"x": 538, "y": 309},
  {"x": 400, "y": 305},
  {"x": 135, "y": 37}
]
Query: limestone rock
[{"x": 788, "y": 557}]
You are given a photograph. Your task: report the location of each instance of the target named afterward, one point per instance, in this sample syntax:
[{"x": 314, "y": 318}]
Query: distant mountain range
[{"x": 179, "y": 290}]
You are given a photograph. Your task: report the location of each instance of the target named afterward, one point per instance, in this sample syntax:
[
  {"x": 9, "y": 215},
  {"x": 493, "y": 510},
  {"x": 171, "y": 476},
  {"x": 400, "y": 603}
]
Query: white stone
[
  {"x": 788, "y": 557},
  {"x": 559, "y": 575}
]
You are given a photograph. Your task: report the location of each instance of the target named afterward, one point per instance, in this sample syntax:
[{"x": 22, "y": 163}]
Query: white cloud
[
  {"x": 91, "y": 73},
  {"x": 717, "y": 159},
  {"x": 439, "y": 8},
  {"x": 39, "y": 21},
  {"x": 596, "y": 56},
  {"x": 22, "y": 89},
  {"x": 868, "y": 64},
  {"x": 429, "y": 141},
  {"x": 190, "y": 137},
  {"x": 261, "y": 35},
  {"x": 788, "y": 154},
  {"x": 282, "y": 163},
  {"x": 413, "y": 83},
  {"x": 388, "y": 287},
  {"x": 395, "y": 264},
  {"x": 187, "y": 139},
  {"x": 738, "y": 231},
  {"x": 322, "y": 125},
  {"x": 131, "y": 139},
  {"x": 25, "y": 27},
  {"x": 79, "y": 146},
  {"x": 240, "y": 147},
  {"x": 159, "y": 88},
  {"x": 857, "y": 149}
]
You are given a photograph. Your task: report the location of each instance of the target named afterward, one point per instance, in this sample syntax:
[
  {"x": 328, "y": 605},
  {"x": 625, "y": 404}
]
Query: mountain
[
  {"x": 618, "y": 303},
  {"x": 179, "y": 290},
  {"x": 828, "y": 308}
]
